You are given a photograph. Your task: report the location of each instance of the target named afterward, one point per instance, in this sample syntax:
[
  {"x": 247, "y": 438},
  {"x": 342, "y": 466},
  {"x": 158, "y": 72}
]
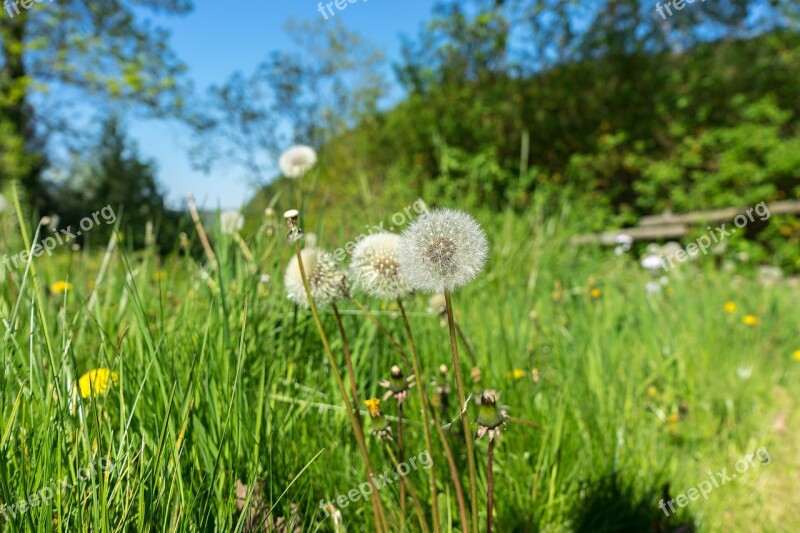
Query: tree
[
  {"x": 332, "y": 82},
  {"x": 116, "y": 176},
  {"x": 71, "y": 50}
]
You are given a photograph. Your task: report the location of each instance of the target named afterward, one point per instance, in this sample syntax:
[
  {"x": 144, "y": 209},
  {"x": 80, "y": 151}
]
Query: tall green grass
[{"x": 222, "y": 379}]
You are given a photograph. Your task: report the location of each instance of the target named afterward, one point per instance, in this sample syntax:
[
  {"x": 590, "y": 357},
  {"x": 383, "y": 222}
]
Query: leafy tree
[
  {"x": 56, "y": 51},
  {"x": 115, "y": 175},
  {"x": 332, "y": 82}
]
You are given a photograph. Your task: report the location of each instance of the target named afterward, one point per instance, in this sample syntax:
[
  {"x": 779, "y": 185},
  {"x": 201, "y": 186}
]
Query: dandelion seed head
[
  {"x": 442, "y": 250},
  {"x": 375, "y": 267},
  {"x": 297, "y": 160},
  {"x": 231, "y": 222},
  {"x": 326, "y": 281}
]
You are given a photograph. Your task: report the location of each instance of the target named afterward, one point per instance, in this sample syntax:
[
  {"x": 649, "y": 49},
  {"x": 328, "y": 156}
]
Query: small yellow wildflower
[
  {"x": 374, "y": 405},
  {"x": 652, "y": 392},
  {"x": 60, "y": 287},
  {"x": 730, "y": 307},
  {"x": 796, "y": 355},
  {"x": 97, "y": 382},
  {"x": 517, "y": 373},
  {"x": 159, "y": 275},
  {"x": 750, "y": 320},
  {"x": 672, "y": 420},
  {"x": 596, "y": 293}
]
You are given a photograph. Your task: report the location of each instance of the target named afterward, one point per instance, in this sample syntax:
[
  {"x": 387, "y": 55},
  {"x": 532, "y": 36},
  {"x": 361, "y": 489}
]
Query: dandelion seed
[
  {"x": 97, "y": 382},
  {"x": 60, "y": 287},
  {"x": 375, "y": 267},
  {"x": 297, "y": 161},
  {"x": 442, "y": 250},
  {"x": 231, "y": 222},
  {"x": 326, "y": 281},
  {"x": 653, "y": 263}
]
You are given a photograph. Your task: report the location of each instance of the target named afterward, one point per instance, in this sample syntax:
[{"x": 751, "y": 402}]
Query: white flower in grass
[
  {"x": 326, "y": 281},
  {"x": 297, "y": 160},
  {"x": 653, "y": 263},
  {"x": 442, "y": 250},
  {"x": 375, "y": 267},
  {"x": 231, "y": 222}
]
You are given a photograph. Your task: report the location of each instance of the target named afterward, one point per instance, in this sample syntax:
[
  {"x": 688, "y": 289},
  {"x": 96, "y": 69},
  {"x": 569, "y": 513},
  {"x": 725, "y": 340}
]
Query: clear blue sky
[{"x": 215, "y": 42}]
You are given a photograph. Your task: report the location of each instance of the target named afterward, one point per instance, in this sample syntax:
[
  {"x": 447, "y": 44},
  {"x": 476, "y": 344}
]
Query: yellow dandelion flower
[
  {"x": 374, "y": 405},
  {"x": 750, "y": 320},
  {"x": 730, "y": 307},
  {"x": 596, "y": 293},
  {"x": 97, "y": 382},
  {"x": 652, "y": 391},
  {"x": 159, "y": 275},
  {"x": 517, "y": 373},
  {"x": 796, "y": 355},
  {"x": 60, "y": 287},
  {"x": 672, "y": 420}
]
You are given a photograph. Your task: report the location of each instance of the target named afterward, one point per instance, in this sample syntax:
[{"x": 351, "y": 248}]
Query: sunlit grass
[{"x": 222, "y": 379}]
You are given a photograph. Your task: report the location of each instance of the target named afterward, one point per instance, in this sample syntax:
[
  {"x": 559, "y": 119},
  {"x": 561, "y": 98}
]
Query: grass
[{"x": 222, "y": 379}]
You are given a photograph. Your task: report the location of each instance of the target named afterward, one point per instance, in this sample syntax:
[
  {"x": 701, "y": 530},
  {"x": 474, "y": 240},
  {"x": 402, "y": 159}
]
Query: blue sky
[{"x": 215, "y": 42}]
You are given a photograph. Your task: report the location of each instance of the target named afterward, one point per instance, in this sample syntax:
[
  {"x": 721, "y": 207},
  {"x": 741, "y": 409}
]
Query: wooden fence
[{"x": 676, "y": 225}]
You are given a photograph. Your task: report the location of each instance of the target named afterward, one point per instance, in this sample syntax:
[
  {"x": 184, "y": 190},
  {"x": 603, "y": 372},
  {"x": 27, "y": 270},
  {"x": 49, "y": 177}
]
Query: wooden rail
[{"x": 677, "y": 225}]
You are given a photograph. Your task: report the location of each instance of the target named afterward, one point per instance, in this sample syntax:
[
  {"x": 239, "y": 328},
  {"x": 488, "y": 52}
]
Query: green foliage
[
  {"x": 222, "y": 379},
  {"x": 114, "y": 175}
]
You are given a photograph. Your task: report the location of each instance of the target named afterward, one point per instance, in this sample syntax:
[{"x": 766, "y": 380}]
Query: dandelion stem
[
  {"x": 404, "y": 482},
  {"x": 423, "y": 397},
  {"x": 442, "y": 436},
  {"x": 473, "y": 486},
  {"x": 490, "y": 485},
  {"x": 348, "y": 361},
  {"x": 377, "y": 503},
  {"x": 401, "y": 458},
  {"x": 198, "y": 224}
]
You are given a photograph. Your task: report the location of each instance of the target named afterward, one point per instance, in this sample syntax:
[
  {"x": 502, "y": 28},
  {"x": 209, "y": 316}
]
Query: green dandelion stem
[
  {"x": 377, "y": 503},
  {"x": 423, "y": 397},
  {"x": 473, "y": 485}
]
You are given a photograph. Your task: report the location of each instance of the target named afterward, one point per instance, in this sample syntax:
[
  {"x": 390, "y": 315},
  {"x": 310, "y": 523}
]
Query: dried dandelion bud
[
  {"x": 491, "y": 415},
  {"x": 397, "y": 385}
]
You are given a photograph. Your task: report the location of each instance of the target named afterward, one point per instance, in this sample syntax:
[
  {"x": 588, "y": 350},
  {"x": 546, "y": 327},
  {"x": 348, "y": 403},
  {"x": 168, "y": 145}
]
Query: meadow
[{"x": 218, "y": 395}]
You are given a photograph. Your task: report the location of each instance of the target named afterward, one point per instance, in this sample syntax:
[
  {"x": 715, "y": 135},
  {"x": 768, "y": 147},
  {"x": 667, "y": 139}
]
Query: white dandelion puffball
[
  {"x": 375, "y": 267},
  {"x": 297, "y": 160},
  {"x": 442, "y": 250},
  {"x": 326, "y": 281},
  {"x": 231, "y": 222}
]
